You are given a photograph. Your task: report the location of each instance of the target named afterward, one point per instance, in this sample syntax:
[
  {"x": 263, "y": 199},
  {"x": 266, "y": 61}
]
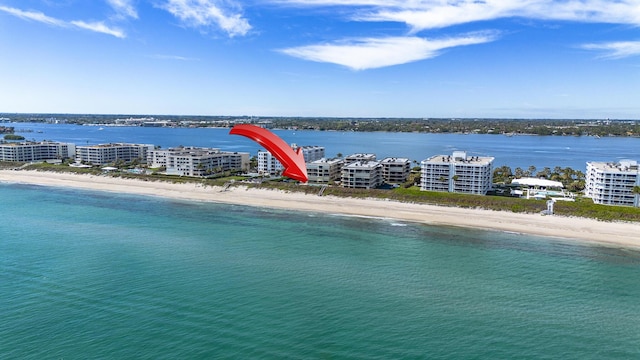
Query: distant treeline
[{"x": 568, "y": 127}]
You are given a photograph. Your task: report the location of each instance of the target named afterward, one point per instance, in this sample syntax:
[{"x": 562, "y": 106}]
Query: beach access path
[{"x": 617, "y": 234}]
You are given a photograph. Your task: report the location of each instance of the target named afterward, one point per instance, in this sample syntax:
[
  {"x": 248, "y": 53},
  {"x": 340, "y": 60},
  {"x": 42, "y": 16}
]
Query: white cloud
[
  {"x": 430, "y": 14},
  {"x": 34, "y": 16},
  {"x": 370, "y": 53},
  {"x": 205, "y": 13},
  {"x": 616, "y": 50},
  {"x": 420, "y": 15},
  {"x": 99, "y": 27},
  {"x": 124, "y": 8}
]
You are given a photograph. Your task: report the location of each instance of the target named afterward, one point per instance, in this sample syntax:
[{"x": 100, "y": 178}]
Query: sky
[{"x": 577, "y": 59}]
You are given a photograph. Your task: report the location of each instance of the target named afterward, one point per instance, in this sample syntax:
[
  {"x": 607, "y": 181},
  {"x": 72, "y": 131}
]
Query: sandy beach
[{"x": 618, "y": 234}]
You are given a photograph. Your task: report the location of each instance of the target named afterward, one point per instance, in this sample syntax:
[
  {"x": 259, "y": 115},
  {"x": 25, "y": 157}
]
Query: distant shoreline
[
  {"x": 494, "y": 126},
  {"x": 615, "y": 234}
]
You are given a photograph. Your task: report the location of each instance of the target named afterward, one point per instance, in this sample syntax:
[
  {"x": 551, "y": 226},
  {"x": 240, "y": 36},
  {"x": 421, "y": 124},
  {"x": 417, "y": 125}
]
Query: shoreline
[{"x": 583, "y": 230}]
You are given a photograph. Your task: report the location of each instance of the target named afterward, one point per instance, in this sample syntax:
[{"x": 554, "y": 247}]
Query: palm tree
[
  {"x": 518, "y": 173},
  {"x": 502, "y": 174},
  {"x": 544, "y": 173},
  {"x": 530, "y": 171}
]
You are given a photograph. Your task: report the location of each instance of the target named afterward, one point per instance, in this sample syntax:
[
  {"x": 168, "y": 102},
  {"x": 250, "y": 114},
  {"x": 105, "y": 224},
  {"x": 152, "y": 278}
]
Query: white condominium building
[
  {"x": 324, "y": 171},
  {"x": 109, "y": 153},
  {"x": 268, "y": 164},
  {"x": 194, "y": 161},
  {"x": 36, "y": 151},
  {"x": 613, "y": 183},
  {"x": 457, "y": 173},
  {"x": 362, "y": 175},
  {"x": 395, "y": 170}
]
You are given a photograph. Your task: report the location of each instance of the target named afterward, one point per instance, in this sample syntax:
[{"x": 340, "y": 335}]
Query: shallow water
[{"x": 97, "y": 275}]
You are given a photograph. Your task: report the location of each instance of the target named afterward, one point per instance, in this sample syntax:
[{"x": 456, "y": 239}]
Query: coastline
[{"x": 615, "y": 234}]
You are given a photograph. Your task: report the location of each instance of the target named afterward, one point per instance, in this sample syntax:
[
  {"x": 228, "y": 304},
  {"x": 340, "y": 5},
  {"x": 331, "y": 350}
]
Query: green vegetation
[
  {"x": 587, "y": 209},
  {"x": 581, "y": 208},
  {"x": 5, "y": 165},
  {"x": 13, "y": 137},
  {"x": 43, "y": 166}
]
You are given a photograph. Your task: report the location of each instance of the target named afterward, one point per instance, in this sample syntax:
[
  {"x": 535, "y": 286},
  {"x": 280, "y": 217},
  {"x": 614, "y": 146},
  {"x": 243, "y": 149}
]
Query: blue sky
[{"x": 360, "y": 58}]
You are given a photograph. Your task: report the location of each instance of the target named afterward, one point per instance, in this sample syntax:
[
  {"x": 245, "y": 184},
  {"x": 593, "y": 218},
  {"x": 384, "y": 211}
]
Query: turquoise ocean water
[{"x": 97, "y": 275}]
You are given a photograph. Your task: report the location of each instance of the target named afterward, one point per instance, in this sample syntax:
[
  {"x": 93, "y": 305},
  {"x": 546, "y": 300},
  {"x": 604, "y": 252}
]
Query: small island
[{"x": 13, "y": 137}]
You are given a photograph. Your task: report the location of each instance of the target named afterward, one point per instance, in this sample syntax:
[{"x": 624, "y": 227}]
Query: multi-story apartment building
[
  {"x": 359, "y": 158},
  {"x": 457, "y": 173},
  {"x": 194, "y": 161},
  {"x": 613, "y": 183},
  {"x": 108, "y": 153},
  {"x": 36, "y": 151},
  {"x": 324, "y": 171},
  {"x": 395, "y": 170},
  {"x": 362, "y": 175},
  {"x": 268, "y": 164}
]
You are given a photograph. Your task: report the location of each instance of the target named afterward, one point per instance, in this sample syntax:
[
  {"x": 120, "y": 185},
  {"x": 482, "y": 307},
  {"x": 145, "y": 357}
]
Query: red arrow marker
[{"x": 293, "y": 162}]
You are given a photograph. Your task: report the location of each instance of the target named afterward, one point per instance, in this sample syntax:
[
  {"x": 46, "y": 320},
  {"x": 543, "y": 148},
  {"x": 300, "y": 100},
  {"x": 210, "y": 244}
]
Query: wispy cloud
[
  {"x": 430, "y": 14},
  {"x": 172, "y": 57},
  {"x": 617, "y": 49},
  {"x": 207, "y": 13},
  {"x": 123, "y": 8},
  {"x": 421, "y": 15},
  {"x": 98, "y": 27},
  {"x": 33, "y": 16},
  {"x": 370, "y": 53}
]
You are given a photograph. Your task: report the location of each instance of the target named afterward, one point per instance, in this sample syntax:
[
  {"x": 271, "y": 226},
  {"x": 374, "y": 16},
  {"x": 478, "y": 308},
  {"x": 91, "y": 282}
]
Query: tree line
[{"x": 552, "y": 127}]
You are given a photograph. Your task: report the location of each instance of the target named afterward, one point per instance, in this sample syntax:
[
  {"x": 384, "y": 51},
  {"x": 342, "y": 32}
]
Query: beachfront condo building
[
  {"x": 359, "y": 158},
  {"x": 611, "y": 183},
  {"x": 457, "y": 173},
  {"x": 362, "y": 175},
  {"x": 324, "y": 171},
  {"x": 268, "y": 164},
  {"x": 395, "y": 170},
  {"x": 198, "y": 162},
  {"x": 36, "y": 151},
  {"x": 110, "y": 153}
]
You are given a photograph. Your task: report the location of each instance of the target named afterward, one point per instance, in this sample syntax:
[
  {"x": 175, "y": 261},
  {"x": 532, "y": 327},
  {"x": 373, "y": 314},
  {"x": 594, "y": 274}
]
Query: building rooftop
[
  {"x": 355, "y": 156},
  {"x": 394, "y": 160},
  {"x": 327, "y": 161},
  {"x": 624, "y": 165},
  {"x": 362, "y": 164},
  {"x": 459, "y": 157},
  {"x": 537, "y": 182}
]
